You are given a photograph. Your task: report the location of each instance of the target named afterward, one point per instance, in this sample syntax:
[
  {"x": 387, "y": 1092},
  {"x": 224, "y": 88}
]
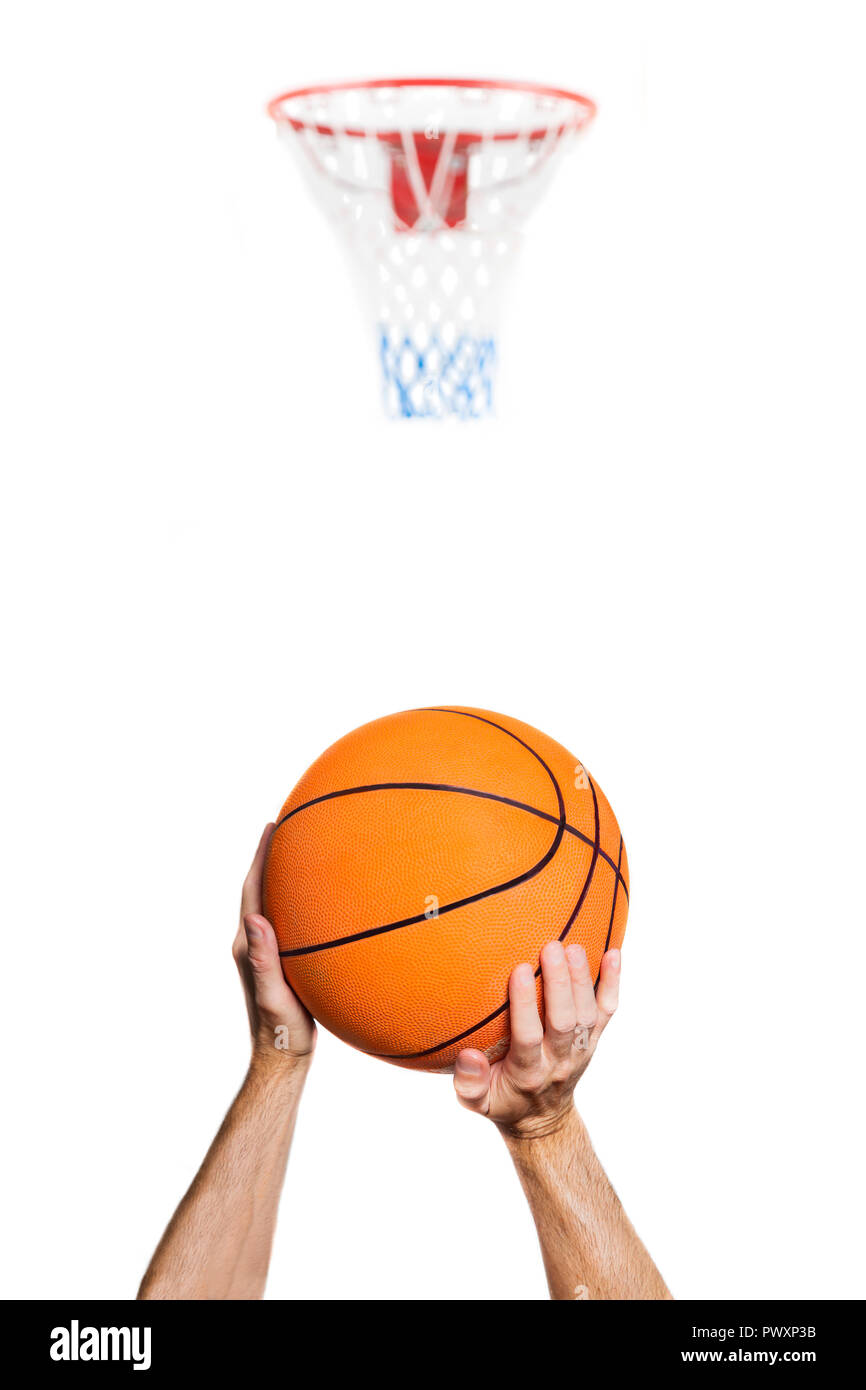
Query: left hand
[{"x": 281, "y": 1027}]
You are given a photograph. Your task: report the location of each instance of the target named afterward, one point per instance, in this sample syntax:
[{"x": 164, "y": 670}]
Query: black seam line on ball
[
  {"x": 433, "y": 709},
  {"x": 461, "y": 902},
  {"x": 428, "y": 1051},
  {"x": 460, "y": 791},
  {"x": 612, "y": 912}
]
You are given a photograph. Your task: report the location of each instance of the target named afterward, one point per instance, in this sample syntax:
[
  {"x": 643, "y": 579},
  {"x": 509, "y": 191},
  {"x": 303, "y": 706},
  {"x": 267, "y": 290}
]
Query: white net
[{"x": 430, "y": 182}]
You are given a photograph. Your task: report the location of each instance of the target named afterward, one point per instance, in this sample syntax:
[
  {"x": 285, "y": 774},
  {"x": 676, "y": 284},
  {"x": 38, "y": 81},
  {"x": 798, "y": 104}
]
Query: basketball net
[{"x": 429, "y": 183}]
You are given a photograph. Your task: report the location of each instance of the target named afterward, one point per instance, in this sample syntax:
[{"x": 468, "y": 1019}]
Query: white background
[{"x": 218, "y": 557}]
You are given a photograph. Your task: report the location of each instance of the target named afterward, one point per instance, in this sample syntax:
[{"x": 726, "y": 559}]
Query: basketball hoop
[{"x": 430, "y": 180}]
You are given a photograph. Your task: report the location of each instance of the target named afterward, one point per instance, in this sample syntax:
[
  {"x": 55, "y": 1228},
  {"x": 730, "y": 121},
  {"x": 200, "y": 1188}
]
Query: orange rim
[{"x": 584, "y": 107}]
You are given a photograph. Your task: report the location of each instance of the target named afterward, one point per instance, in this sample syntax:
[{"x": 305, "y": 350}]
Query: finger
[
  {"x": 560, "y": 1015},
  {"x": 607, "y": 994},
  {"x": 581, "y": 987},
  {"x": 472, "y": 1080},
  {"x": 251, "y": 897},
  {"x": 527, "y": 1033},
  {"x": 265, "y": 967}
]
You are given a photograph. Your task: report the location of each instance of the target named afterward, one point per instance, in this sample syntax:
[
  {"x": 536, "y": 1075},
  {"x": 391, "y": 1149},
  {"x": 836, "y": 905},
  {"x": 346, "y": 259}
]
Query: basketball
[{"x": 422, "y": 858}]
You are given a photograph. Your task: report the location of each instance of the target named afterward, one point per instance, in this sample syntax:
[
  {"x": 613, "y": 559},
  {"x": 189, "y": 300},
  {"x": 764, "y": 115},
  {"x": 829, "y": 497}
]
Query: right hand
[{"x": 530, "y": 1093}]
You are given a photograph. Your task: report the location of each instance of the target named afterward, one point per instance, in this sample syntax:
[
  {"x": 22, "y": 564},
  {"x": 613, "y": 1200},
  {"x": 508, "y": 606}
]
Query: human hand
[
  {"x": 282, "y": 1029},
  {"x": 529, "y": 1093}
]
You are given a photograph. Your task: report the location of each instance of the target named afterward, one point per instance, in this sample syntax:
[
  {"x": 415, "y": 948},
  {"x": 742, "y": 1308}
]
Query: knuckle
[
  {"x": 562, "y": 1027},
  {"x": 533, "y": 1080}
]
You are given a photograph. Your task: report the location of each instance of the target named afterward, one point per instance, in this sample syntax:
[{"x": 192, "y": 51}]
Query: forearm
[
  {"x": 218, "y": 1243},
  {"x": 587, "y": 1241}
]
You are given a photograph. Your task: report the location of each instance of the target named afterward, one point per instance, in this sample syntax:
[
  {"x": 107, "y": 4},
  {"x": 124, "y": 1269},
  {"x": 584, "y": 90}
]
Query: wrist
[
  {"x": 276, "y": 1069},
  {"x": 538, "y": 1131}
]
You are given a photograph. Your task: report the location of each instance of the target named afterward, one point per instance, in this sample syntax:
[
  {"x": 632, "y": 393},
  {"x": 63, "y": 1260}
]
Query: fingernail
[
  {"x": 252, "y": 929},
  {"x": 470, "y": 1065},
  {"x": 614, "y": 957},
  {"x": 576, "y": 954},
  {"x": 525, "y": 975},
  {"x": 556, "y": 950}
]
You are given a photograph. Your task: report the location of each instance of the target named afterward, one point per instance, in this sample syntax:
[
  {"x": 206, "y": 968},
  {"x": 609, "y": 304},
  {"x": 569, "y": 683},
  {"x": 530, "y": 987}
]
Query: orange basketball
[{"x": 423, "y": 857}]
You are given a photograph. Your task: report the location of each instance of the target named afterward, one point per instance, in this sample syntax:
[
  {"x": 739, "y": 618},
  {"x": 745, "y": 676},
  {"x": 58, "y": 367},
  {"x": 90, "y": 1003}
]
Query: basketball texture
[{"x": 419, "y": 860}]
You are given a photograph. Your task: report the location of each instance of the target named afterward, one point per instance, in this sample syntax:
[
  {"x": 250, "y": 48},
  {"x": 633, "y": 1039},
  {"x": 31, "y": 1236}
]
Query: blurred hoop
[{"x": 430, "y": 179}]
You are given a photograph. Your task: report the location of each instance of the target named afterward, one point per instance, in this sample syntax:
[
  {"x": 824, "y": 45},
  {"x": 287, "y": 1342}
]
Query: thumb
[
  {"x": 472, "y": 1080},
  {"x": 263, "y": 955}
]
